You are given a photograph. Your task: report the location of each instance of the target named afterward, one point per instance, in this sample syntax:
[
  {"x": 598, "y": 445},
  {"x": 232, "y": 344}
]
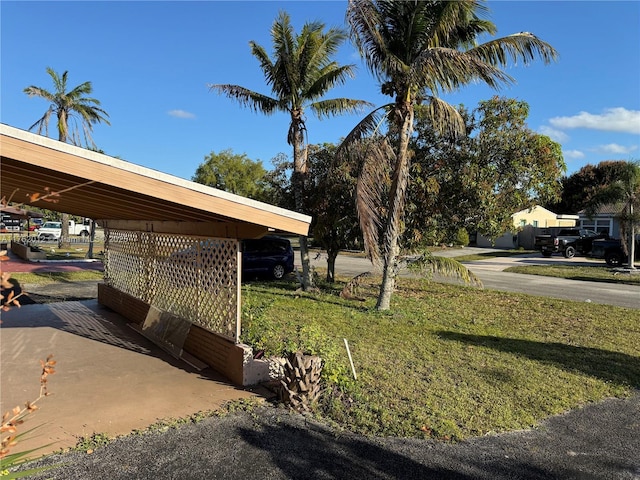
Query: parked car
[
  {"x": 35, "y": 224},
  {"x": 50, "y": 231},
  {"x": 568, "y": 241},
  {"x": 53, "y": 230},
  {"x": 270, "y": 255},
  {"x": 612, "y": 252}
]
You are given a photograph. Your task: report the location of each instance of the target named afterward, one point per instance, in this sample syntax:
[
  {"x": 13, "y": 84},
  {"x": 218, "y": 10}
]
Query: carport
[{"x": 176, "y": 289}]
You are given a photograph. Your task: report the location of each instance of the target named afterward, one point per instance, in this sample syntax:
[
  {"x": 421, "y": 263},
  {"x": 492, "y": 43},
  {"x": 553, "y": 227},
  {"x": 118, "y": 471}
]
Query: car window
[{"x": 266, "y": 245}]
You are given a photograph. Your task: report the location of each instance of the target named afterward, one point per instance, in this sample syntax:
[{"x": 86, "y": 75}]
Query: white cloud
[
  {"x": 181, "y": 114},
  {"x": 616, "y": 149},
  {"x": 554, "y": 134},
  {"x": 573, "y": 154},
  {"x": 611, "y": 120}
]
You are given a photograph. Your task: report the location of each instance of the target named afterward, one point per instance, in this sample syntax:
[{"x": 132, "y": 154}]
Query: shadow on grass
[{"x": 606, "y": 365}]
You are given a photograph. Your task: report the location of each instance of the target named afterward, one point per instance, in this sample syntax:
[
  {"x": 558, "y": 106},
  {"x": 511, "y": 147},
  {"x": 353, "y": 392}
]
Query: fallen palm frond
[
  {"x": 448, "y": 267},
  {"x": 351, "y": 287}
]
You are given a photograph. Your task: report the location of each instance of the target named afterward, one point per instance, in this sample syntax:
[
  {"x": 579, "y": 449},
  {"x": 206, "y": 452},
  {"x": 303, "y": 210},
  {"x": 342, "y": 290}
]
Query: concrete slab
[{"x": 109, "y": 379}]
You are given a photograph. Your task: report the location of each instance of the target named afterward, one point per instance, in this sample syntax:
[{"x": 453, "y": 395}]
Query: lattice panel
[
  {"x": 194, "y": 278},
  {"x": 126, "y": 262}
]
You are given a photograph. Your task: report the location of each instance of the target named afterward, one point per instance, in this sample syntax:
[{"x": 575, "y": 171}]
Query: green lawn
[
  {"x": 596, "y": 273},
  {"x": 449, "y": 361},
  {"x": 42, "y": 278}
]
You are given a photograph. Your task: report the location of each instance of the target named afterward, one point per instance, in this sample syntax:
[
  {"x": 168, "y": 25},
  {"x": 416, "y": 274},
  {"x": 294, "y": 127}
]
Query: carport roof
[{"x": 46, "y": 173}]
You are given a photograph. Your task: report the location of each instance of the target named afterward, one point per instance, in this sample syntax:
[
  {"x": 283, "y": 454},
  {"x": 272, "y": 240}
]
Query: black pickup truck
[
  {"x": 611, "y": 250},
  {"x": 567, "y": 241}
]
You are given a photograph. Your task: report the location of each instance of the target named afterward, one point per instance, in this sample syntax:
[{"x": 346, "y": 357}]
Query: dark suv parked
[{"x": 269, "y": 255}]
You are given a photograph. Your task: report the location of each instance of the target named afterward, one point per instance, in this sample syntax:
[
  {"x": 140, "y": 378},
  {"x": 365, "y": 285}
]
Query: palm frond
[
  {"x": 444, "y": 117},
  {"x": 369, "y": 125},
  {"x": 317, "y": 47},
  {"x": 375, "y": 158},
  {"x": 34, "y": 91},
  {"x": 363, "y": 19},
  {"x": 336, "y": 106},
  {"x": 448, "y": 267},
  {"x": 523, "y": 46},
  {"x": 326, "y": 78},
  {"x": 247, "y": 98},
  {"x": 443, "y": 69},
  {"x": 456, "y": 24},
  {"x": 43, "y": 122},
  {"x": 266, "y": 65}
]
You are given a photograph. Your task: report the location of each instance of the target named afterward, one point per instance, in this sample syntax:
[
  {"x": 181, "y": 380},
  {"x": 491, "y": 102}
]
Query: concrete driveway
[{"x": 109, "y": 378}]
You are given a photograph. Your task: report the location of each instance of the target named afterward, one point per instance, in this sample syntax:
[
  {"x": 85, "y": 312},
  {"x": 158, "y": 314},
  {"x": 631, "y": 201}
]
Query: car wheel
[
  {"x": 613, "y": 259},
  {"x": 84, "y": 234},
  {"x": 570, "y": 252},
  {"x": 278, "y": 271},
  {"x": 546, "y": 254}
]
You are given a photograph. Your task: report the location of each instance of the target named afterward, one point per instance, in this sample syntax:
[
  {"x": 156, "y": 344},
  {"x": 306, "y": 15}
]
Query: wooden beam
[{"x": 237, "y": 230}]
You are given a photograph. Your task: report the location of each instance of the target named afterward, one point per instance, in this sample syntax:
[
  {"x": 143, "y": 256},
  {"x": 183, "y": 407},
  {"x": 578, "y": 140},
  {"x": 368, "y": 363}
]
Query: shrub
[{"x": 462, "y": 237}]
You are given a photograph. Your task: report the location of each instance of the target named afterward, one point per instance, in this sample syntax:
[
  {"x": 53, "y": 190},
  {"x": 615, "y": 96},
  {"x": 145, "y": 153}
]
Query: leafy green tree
[
  {"x": 300, "y": 74},
  {"x": 477, "y": 180},
  {"x": 579, "y": 187},
  {"x": 70, "y": 107},
  {"x": 232, "y": 173},
  {"x": 624, "y": 192},
  {"x": 278, "y": 190},
  {"x": 417, "y": 50},
  {"x": 332, "y": 188}
]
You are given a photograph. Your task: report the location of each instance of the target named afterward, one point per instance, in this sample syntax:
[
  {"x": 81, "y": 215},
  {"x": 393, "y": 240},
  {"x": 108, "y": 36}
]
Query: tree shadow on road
[{"x": 308, "y": 452}]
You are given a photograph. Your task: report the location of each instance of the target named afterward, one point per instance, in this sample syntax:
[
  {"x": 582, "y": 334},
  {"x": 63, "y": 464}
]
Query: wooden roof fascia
[
  {"x": 204, "y": 229},
  {"x": 73, "y": 161}
]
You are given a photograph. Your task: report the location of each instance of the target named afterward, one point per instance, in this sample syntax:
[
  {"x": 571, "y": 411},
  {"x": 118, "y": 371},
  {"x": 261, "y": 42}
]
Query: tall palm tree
[
  {"x": 418, "y": 50},
  {"x": 300, "y": 73},
  {"x": 67, "y": 105},
  {"x": 625, "y": 193}
]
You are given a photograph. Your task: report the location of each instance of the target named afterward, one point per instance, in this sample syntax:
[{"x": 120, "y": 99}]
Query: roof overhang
[{"x": 46, "y": 173}]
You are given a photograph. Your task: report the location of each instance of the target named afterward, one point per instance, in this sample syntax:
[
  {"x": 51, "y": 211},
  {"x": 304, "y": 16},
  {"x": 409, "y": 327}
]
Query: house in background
[
  {"x": 527, "y": 224},
  {"x": 604, "y": 220}
]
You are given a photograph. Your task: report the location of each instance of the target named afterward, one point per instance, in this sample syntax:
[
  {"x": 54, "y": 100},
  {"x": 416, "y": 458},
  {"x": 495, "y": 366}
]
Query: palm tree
[
  {"x": 66, "y": 105},
  {"x": 418, "y": 50},
  {"x": 300, "y": 73},
  {"x": 625, "y": 193}
]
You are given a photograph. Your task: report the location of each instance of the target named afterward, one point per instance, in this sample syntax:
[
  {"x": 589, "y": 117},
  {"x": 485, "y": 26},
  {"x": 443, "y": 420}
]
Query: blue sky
[{"x": 150, "y": 64}]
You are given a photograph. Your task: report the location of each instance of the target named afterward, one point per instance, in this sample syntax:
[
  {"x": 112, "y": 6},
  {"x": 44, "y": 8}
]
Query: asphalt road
[
  {"x": 490, "y": 272},
  {"x": 600, "y": 441}
]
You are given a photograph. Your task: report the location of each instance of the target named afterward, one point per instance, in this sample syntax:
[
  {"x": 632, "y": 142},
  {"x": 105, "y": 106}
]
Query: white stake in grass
[{"x": 353, "y": 369}]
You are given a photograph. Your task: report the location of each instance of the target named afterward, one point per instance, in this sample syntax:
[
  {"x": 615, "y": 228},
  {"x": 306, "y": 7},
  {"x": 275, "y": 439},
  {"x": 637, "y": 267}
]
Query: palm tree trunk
[
  {"x": 62, "y": 137},
  {"x": 299, "y": 180},
  {"x": 393, "y": 226},
  {"x": 632, "y": 239}
]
